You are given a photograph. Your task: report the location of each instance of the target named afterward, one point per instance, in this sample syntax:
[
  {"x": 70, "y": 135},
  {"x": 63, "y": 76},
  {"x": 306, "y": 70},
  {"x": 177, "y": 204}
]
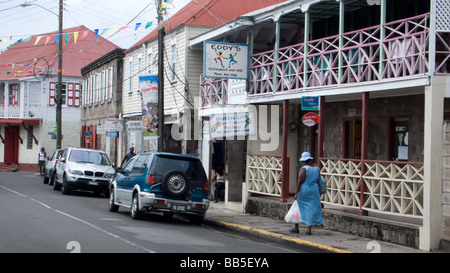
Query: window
[
  {"x": 140, "y": 65},
  {"x": 173, "y": 61},
  {"x": 2, "y": 93},
  {"x": 130, "y": 75},
  {"x": 141, "y": 165},
  {"x": 13, "y": 97},
  {"x": 70, "y": 94},
  {"x": 110, "y": 83},
  {"x": 400, "y": 139}
]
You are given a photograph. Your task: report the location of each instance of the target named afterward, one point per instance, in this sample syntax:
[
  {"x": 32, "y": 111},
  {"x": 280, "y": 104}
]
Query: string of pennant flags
[{"x": 76, "y": 35}]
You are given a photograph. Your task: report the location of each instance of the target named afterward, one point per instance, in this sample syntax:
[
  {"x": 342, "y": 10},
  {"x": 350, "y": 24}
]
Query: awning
[{"x": 19, "y": 121}]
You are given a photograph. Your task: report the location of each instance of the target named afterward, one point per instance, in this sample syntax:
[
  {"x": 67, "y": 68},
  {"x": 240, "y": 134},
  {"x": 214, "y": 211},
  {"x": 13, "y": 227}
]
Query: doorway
[
  {"x": 11, "y": 155},
  {"x": 352, "y": 139}
]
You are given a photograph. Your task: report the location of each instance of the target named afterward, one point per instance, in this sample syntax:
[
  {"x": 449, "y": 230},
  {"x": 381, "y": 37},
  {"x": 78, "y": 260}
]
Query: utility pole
[
  {"x": 59, "y": 87},
  {"x": 160, "y": 77}
]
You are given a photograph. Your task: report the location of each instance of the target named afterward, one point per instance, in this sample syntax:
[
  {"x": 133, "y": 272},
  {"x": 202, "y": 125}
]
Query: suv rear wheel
[
  {"x": 175, "y": 183},
  {"x": 136, "y": 214}
]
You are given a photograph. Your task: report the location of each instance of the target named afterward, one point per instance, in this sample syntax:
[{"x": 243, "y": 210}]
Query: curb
[{"x": 307, "y": 246}]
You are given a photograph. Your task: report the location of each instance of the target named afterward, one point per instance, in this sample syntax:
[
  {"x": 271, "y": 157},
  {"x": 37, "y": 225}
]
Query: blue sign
[
  {"x": 310, "y": 103},
  {"x": 112, "y": 134}
]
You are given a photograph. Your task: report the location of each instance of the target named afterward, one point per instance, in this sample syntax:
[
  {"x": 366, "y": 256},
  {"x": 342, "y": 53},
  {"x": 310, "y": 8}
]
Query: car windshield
[
  {"x": 192, "y": 167},
  {"x": 89, "y": 157}
]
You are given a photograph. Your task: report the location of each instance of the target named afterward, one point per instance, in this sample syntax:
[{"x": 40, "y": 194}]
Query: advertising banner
[
  {"x": 225, "y": 60},
  {"x": 232, "y": 125},
  {"x": 149, "y": 102}
]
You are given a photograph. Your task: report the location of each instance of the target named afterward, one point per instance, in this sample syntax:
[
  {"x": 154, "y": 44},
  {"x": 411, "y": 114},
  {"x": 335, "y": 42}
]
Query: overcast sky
[{"x": 22, "y": 22}]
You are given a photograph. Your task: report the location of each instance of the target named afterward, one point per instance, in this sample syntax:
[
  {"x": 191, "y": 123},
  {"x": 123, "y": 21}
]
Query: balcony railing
[
  {"x": 398, "y": 49},
  {"x": 394, "y": 188},
  {"x": 213, "y": 91},
  {"x": 264, "y": 174}
]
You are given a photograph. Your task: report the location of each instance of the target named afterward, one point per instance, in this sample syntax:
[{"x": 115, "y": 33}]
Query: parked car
[
  {"x": 83, "y": 169},
  {"x": 161, "y": 182},
  {"x": 49, "y": 171}
]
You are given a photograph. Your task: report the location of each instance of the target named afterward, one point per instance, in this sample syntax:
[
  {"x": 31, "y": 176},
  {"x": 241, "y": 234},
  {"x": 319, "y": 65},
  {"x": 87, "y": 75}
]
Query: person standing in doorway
[
  {"x": 41, "y": 160},
  {"x": 308, "y": 195},
  {"x": 128, "y": 156},
  {"x": 219, "y": 176}
]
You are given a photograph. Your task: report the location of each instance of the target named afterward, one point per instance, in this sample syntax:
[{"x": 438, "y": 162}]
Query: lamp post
[{"x": 59, "y": 87}]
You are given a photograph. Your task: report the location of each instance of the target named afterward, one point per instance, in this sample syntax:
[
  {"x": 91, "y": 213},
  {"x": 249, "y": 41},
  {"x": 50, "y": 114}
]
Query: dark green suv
[{"x": 161, "y": 182}]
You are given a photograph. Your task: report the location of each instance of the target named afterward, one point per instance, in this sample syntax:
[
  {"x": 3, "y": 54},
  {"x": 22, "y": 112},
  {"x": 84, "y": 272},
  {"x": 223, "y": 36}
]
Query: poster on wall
[
  {"x": 225, "y": 60},
  {"x": 149, "y": 103},
  {"x": 230, "y": 125}
]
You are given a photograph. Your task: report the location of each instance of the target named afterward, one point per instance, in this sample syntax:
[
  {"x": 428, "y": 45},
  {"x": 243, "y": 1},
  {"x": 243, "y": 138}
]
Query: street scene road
[{"x": 36, "y": 219}]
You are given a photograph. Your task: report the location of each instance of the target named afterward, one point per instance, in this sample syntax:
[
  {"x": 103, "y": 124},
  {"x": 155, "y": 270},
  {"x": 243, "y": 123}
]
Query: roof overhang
[
  {"x": 19, "y": 121},
  {"x": 219, "y": 32}
]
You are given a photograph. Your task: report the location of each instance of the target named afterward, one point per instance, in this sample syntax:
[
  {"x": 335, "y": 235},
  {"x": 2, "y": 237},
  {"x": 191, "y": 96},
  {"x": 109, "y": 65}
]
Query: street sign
[
  {"x": 88, "y": 136},
  {"x": 310, "y": 119}
]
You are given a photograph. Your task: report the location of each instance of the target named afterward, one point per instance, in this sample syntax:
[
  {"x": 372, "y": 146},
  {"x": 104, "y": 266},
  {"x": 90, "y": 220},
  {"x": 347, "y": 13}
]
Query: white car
[
  {"x": 49, "y": 171},
  {"x": 84, "y": 169}
]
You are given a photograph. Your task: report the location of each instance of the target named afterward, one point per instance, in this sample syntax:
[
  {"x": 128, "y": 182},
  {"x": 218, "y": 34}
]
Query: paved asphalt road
[{"x": 36, "y": 219}]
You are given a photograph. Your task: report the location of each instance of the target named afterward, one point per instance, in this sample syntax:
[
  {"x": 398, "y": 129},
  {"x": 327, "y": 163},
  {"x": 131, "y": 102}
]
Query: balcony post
[
  {"x": 364, "y": 146},
  {"x": 284, "y": 158},
  {"x": 305, "y": 52},
  {"x": 432, "y": 40},
  {"x": 341, "y": 42},
  {"x": 275, "y": 55},
  {"x": 382, "y": 36}
]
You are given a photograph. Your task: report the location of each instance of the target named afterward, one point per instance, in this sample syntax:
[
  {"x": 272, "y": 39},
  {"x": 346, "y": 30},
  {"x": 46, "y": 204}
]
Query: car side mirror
[{"x": 119, "y": 170}]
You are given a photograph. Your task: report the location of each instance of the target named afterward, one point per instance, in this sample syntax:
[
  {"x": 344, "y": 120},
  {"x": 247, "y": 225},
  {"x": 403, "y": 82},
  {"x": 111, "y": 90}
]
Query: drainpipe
[{"x": 284, "y": 158}]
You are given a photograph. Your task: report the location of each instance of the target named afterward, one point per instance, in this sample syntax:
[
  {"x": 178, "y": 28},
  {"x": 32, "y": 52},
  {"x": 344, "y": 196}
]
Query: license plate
[
  {"x": 93, "y": 183},
  {"x": 178, "y": 208}
]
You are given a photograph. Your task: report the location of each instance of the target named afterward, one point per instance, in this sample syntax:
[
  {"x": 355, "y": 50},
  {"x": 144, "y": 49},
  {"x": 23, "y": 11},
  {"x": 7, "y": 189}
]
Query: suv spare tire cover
[{"x": 175, "y": 183}]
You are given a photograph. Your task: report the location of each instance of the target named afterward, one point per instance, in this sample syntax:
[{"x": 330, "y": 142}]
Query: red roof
[
  {"x": 17, "y": 62},
  {"x": 211, "y": 13}
]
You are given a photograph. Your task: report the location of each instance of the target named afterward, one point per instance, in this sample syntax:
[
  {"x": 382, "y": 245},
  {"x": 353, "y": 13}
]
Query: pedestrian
[
  {"x": 219, "y": 176},
  {"x": 308, "y": 195},
  {"x": 128, "y": 156},
  {"x": 41, "y": 160}
]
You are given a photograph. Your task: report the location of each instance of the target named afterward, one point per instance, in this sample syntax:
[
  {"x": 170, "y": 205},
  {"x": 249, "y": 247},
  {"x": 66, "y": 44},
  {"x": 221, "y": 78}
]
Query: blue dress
[{"x": 308, "y": 198}]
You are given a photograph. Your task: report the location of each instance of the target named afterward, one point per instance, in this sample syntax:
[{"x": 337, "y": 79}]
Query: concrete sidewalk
[{"x": 321, "y": 240}]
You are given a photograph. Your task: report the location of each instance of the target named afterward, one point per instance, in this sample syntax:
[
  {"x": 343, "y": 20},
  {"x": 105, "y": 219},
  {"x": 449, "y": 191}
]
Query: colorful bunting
[{"x": 76, "y": 34}]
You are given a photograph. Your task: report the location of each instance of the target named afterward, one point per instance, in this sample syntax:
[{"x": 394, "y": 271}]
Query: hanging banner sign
[
  {"x": 149, "y": 105},
  {"x": 310, "y": 103},
  {"x": 310, "y": 119},
  {"x": 225, "y": 60}
]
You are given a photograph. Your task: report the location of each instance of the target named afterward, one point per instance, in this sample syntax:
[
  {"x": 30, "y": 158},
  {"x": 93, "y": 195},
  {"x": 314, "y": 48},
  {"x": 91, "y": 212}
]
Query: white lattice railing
[
  {"x": 389, "y": 187},
  {"x": 264, "y": 174}
]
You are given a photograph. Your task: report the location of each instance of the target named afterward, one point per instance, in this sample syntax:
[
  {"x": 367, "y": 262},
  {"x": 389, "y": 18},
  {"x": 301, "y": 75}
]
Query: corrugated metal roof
[
  {"x": 17, "y": 62},
  {"x": 211, "y": 13}
]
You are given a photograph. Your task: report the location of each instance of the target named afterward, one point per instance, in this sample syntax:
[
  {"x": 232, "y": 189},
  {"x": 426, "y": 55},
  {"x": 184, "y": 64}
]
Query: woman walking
[{"x": 308, "y": 196}]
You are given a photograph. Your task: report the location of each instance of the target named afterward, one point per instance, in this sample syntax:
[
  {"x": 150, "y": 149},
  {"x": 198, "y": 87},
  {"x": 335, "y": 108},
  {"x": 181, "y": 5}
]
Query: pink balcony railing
[
  {"x": 213, "y": 91},
  {"x": 365, "y": 57}
]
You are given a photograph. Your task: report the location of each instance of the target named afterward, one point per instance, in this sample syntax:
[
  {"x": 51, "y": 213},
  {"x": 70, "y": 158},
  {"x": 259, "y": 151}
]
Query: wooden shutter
[
  {"x": 70, "y": 94},
  {"x": 77, "y": 95}
]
